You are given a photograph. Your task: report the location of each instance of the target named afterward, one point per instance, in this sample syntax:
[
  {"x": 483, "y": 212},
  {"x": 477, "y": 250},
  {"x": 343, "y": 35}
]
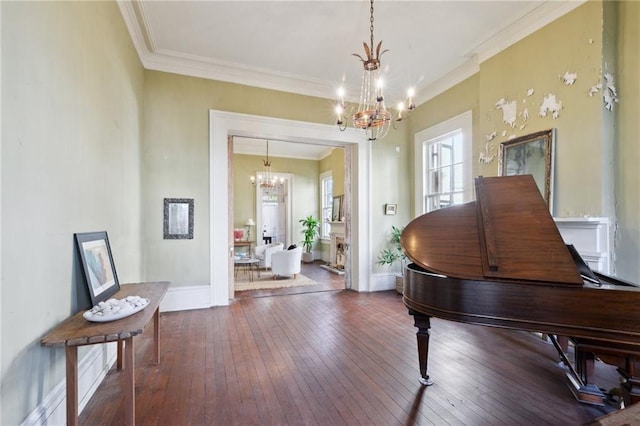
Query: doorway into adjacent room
[
  {"x": 223, "y": 126},
  {"x": 273, "y": 213}
]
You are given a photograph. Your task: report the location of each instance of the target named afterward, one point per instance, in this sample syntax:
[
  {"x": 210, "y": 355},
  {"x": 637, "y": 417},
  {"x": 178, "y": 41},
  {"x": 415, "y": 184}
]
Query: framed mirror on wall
[
  {"x": 531, "y": 154},
  {"x": 178, "y": 218},
  {"x": 337, "y": 211}
]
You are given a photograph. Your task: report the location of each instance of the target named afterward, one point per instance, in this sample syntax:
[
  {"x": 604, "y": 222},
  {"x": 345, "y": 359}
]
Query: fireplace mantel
[
  {"x": 336, "y": 255},
  {"x": 590, "y": 236}
]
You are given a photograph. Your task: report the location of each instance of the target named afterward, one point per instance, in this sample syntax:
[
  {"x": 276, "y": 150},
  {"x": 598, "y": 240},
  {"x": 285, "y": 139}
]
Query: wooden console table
[
  {"x": 243, "y": 243},
  {"x": 77, "y": 331}
]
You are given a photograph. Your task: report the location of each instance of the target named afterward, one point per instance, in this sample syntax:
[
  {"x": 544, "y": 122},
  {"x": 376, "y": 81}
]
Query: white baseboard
[
  {"x": 92, "y": 369},
  {"x": 382, "y": 282},
  {"x": 186, "y": 298}
]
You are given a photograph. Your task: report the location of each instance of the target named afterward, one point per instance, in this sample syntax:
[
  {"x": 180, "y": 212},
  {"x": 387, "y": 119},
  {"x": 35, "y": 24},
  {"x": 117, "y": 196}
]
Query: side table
[
  {"x": 247, "y": 265},
  {"x": 77, "y": 331}
]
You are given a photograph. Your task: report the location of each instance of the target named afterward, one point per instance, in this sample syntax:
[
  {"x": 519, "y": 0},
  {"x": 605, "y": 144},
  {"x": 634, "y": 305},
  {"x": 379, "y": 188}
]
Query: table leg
[
  {"x": 72, "y": 385},
  {"x": 120, "y": 362},
  {"x": 156, "y": 335},
  {"x": 129, "y": 383}
]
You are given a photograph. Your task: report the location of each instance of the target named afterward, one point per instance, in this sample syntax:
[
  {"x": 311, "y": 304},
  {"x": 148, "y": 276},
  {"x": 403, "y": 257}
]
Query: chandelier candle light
[
  {"x": 372, "y": 115},
  {"x": 268, "y": 182}
]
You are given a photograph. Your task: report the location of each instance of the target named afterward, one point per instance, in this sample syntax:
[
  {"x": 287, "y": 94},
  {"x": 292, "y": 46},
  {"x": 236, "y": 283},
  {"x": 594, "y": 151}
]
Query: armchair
[
  {"x": 264, "y": 252},
  {"x": 286, "y": 262}
]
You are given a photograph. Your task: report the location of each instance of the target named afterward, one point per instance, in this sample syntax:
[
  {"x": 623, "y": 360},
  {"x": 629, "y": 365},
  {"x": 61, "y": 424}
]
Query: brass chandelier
[
  {"x": 372, "y": 115},
  {"x": 268, "y": 181}
]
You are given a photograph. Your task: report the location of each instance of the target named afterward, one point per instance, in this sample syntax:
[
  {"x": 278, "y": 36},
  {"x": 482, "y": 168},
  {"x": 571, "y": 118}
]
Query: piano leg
[
  {"x": 422, "y": 322},
  {"x": 631, "y": 384},
  {"x": 585, "y": 363}
]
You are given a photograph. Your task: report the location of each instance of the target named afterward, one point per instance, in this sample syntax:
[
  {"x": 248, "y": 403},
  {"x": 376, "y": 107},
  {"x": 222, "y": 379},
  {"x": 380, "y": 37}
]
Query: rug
[{"x": 266, "y": 281}]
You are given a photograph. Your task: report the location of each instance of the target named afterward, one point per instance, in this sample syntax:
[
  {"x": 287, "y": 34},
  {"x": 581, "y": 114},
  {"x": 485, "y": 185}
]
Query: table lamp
[{"x": 249, "y": 223}]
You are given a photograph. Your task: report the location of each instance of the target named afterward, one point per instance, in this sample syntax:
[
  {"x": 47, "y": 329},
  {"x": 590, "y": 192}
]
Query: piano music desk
[{"x": 77, "y": 331}]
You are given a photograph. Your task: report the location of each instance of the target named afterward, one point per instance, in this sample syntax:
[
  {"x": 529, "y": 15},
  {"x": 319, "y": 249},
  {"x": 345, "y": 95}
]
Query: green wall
[
  {"x": 596, "y": 152},
  {"x": 305, "y": 197},
  {"x": 71, "y": 113},
  {"x": 176, "y": 153},
  {"x": 335, "y": 163},
  {"x": 537, "y": 62},
  {"x": 627, "y": 150}
]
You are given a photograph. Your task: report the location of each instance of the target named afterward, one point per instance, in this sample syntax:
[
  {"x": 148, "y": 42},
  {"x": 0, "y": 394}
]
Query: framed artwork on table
[
  {"x": 531, "y": 154},
  {"x": 178, "y": 218},
  {"x": 97, "y": 264}
]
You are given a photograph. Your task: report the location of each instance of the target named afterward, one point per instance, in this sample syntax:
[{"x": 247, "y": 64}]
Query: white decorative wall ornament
[
  {"x": 504, "y": 133},
  {"x": 550, "y": 105},
  {"x": 488, "y": 155},
  {"x": 530, "y": 92},
  {"x": 525, "y": 114},
  {"x": 523, "y": 126},
  {"x": 512, "y": 137},
  {"x": 595, "y": 89},
  {"x": 569, "y": 78},
  {"x": 610, "y": 94},
  {"x": 491, "y": 136},
  {"x": 509, "y": 111}
]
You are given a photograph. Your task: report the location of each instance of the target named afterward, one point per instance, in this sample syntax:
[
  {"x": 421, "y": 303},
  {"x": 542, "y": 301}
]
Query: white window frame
[
  {"x": 463, "y": 122},
  {"x": 329, "y": 200}
]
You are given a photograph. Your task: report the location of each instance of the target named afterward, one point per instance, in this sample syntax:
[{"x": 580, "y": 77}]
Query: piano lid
[{"x": 506, "y": 234}]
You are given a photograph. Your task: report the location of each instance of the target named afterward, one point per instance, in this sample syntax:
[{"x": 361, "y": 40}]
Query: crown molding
[
  {"x": 447, "y": 81},
  {"x": 525, "y": 26},
  {"x": 194, "y": 66},
  {"x": 156, "y": 59}
]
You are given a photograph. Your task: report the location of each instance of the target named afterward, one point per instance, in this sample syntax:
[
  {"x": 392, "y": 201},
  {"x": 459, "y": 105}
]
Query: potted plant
[
  {"x": 390, "y": 255},
  {"x": 310, "y": 230}
]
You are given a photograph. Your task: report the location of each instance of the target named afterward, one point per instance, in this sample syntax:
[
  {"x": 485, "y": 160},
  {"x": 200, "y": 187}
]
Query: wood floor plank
[{"x": 337, "y": 357}]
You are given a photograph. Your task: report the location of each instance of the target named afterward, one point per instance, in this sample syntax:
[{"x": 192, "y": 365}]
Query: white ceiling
[{"x": 306, "y": 47}]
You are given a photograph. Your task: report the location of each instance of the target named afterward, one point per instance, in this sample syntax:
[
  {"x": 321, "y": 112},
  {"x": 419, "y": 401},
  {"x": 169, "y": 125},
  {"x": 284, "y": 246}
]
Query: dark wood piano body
[{"x": 500, "y": 261}]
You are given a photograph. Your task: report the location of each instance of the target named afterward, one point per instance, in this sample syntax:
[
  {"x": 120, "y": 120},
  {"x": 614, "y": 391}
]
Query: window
[
  {"x": 443, "y": 164},
  {"x": 443, "y": 160},
  {"x": 326, "y": 183}
]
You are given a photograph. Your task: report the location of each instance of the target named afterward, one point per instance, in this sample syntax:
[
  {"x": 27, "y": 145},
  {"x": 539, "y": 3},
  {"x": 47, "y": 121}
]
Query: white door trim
[{"x": 223, "y": 124}]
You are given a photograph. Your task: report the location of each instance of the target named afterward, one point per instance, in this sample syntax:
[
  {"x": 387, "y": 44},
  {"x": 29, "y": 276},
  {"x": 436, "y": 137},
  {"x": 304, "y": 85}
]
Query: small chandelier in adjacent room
[
  {"x": 267, "y": 181},
  {"x": 372, "y": 115}
]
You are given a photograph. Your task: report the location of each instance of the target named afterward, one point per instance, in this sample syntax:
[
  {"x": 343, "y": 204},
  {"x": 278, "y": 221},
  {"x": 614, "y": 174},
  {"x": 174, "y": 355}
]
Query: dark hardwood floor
[{"x": 337, "y": 357}]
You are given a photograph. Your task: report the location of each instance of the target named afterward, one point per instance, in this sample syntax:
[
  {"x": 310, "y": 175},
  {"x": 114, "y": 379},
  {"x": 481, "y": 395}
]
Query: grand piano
[{"x": 500, "y": 261}]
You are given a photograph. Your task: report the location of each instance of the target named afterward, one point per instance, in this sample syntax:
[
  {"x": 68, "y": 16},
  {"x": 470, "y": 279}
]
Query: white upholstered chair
[
  {"x": 264, "y": 252},
  {"x": 286, "y": 262}
]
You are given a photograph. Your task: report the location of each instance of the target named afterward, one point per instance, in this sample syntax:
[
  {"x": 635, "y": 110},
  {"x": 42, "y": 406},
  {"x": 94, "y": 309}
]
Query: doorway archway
[{"x": 224, "y": 124}]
